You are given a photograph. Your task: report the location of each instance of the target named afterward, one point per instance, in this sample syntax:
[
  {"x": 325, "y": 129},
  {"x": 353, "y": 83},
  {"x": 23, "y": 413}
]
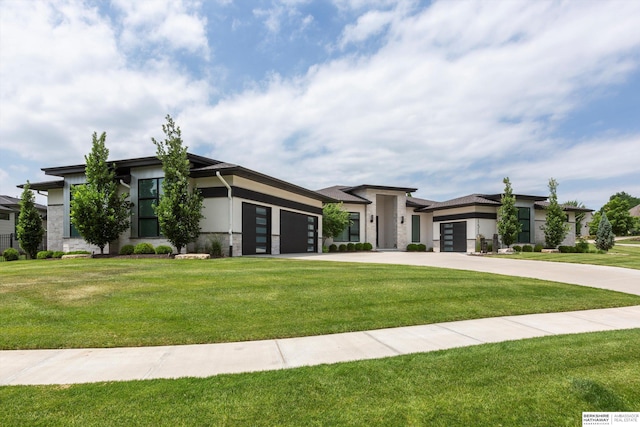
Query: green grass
[
  {"x": 619, "y": 256},
  {"x": 539, "y": 382},
  {"x": 141, "y": 302},
  {"x": 630, "y": 241}
]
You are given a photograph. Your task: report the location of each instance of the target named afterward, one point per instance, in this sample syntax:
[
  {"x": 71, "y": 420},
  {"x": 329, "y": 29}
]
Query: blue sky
[{"x": 445, "y": 96}]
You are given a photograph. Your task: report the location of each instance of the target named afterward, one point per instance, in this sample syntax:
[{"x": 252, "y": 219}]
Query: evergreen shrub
[
  {"x": 44, "y": 254},
  {"x": 144, "y": 248},
  {"x": 422, "y": 247},
  {"x": 164, "y": 250},
  {"x": 10, "y": 254},
  {"x": 517, "y": 248},
  {"x": 538, "y": 248},
  {"x": 351, "y": 247},
  {"x": 127, "y": 250},
  {"x": 342, "y": 247},
  {"x": 412, "y": 247},
  {"x": 359, "y": 246},
  {"x": 527, "y": 248},
  {"x": 367, "y": 246},
  {"x": 57, "y": 254},
  {"x": 333, "y": 247}
]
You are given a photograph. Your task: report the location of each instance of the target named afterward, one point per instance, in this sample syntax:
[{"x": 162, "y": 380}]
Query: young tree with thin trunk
[
  {"x": 29, "y": 228},
  {"x": 179, "y": 210},
  {"x": 605, "y": 239},
  {"x": 556, "y": 227},
  {"x": 508, "y": 224},
  {"x": 98, "y": 212}
]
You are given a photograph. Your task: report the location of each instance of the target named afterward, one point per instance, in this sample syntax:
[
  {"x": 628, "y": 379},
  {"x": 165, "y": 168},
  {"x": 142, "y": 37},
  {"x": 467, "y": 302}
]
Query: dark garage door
[
  {"x": 256, "y": 229},
  {"x": 453, "y": 236},
  {"x": 298, "y": 233}
]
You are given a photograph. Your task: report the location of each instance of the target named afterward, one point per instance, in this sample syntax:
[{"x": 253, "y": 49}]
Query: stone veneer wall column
[{"x": 55, "y": 215}]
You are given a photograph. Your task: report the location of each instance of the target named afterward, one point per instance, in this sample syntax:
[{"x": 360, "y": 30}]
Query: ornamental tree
[
  {"x": 555, "y": 228},
  {"x": 29, "y": 228},
  {"x": 334, "y": 220},
  {"x": 605, "y": 238},
  {"x": 98, "y": 212},
  {"x": 508, "y": 224},
  {"x": 179, "y": 209}
]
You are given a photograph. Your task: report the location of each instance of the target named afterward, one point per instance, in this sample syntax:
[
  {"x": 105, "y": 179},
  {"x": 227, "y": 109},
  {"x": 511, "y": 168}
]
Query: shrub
[
  {"x": 78, "y": 253},
  {"x": 359, "y": 246},
  {"x": 57, "y": 254},
  {"x": 567, "y": 249},
  {"x": 517, "y": 248},
  {"x": 325, "y": 249},
  {"x": 538, "y": 248},
  {"x": 422, "y": 247},
  {"x": 215, "y": 248},
  {"x": 10, "y": 254},
  {"x": 367, "y": 246},
  {"x": 342, "y": 247},
  {"x": 351, "y": 247},
  {"x": 126, "y": 250},
  {"x": 412, "y": 247},
  {"x": 144, "y": 248},
  {"x": 164, "y": 250},
  {"x": 333, "y": 247},
  {"x": 44, "y": 254},
  {"x": 527, "y": 248},
  {"x": 582, "y": 247}
]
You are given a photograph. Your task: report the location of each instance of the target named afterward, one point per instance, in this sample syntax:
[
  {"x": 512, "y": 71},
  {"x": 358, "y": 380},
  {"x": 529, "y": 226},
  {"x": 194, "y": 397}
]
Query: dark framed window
[
  {"x": 352, "y": 232},
  {"x": 149, "y": 193},
  {"x": 415, "y": 228},
  {"x": 524, "y": 218},
  {"x": 4, "y": 216}
]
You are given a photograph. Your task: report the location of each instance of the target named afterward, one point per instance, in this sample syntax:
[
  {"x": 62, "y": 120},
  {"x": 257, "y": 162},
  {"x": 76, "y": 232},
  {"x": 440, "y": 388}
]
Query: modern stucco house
[
  {"x": 248, "y": 212},
  {"x": 252, "y": 213},
  {"x": 388, "y": 218}
]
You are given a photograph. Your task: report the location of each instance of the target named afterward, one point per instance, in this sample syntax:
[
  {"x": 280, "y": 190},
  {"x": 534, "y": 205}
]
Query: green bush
[
  {"x": 582, "y": 247},
  {"x": 144, "y": 248},
  {"x": 10, "y": 254},
  {"x": 127, "y": 250},
  {"x": 412, "y": 247},
  {"x": 359, "y": 246},
  {"x": 164, "y": 250},
  {"x": 214, "y": 248},
  {"x": 367, "y": 246},
  {"x": 333, "y": 247},
  {"x": 517, "y": 248},
  {"x": 527, "y": 248},
  {"x": 58, "y": 254},
  {"x": 325, "y": 250},
  {"x": 44, "y": 254},
  {"x": 78, "y": 253},
  {"x": 538, "y": 248},
  {"x": 422, "y": 247},
  {"x": 342, "y": 247},
  {"x": 567, "y": 249}
]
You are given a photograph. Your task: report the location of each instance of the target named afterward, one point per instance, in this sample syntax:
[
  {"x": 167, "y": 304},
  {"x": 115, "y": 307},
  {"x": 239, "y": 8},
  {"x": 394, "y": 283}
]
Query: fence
[{"x": 10, "y": 241}]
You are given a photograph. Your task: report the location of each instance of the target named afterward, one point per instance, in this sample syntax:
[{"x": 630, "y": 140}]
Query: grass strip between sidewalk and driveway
[
  {"x": 618, "y": 256},
  {"x": 143, "y": 302},
  {"x": 538, "y": 382}
]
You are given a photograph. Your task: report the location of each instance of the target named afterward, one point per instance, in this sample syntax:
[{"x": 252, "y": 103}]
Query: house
[
  {"x": 248, "y": 212},
  {"x": 9, "y": 214},
  {"x": 389, "y": 218}
]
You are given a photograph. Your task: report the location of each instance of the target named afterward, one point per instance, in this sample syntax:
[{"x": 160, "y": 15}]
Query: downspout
[
  {"x": 125, "y": 184},
  {"x": 229, "y": 196}
]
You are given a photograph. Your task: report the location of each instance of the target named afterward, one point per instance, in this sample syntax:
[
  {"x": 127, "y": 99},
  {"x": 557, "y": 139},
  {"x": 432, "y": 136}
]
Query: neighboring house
[
  {"x": 248, "y": 212},
  {"x": 635, "y": 211},
  {"x": 9, "y": 213},
  {"x": 388, "y": 219}
]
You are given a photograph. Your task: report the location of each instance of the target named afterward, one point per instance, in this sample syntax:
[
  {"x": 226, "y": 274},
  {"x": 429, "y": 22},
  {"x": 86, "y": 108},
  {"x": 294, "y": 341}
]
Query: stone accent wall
[
  {"x": 205, "y": 240},
  {"x": 75, "y": 244},
  {"x": 55, "y": 215}
]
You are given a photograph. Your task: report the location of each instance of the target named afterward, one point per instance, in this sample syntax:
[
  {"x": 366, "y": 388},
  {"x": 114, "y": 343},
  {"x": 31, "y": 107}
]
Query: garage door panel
[{"x": 298, "y": 232}]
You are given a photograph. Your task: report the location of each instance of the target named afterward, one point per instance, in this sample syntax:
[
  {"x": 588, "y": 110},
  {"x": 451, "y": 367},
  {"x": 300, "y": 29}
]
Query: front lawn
[
  {"x": 139, "y": 302},
  {"x": 538, "y": 382},
  {"x": 619, "y": 256}
]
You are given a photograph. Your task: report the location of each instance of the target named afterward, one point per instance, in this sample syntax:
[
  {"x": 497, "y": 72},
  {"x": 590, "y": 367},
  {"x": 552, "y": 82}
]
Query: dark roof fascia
[
  {"x": 568, "y": 208},
  {"x": 379, "y": 187},
  {"x": 498, "y": 197},
  {"x": 231, "y": 169},
  {"x": 461, "y": 205},
  {"x": 196, "y": 161},
  {"x": 44, "y": 185}
]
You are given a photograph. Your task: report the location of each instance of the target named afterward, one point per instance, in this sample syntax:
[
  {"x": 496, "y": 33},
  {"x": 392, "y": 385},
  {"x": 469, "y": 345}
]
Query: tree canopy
[
  {"x": 98, "y": 212},
  {"x": 334, "y": 220},
  {"x": 508, "y": 224},
  {"x": 29, "y": 227},
  {"x": 179, "y": 209},
  {"x": 555, "y": 228}
]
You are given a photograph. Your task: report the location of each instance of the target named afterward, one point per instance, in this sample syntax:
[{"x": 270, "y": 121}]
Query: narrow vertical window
[
  {"x": 524, "y": 218},
  {"x": 415, "y": 228},
  {"x": 149, "y": 192}
]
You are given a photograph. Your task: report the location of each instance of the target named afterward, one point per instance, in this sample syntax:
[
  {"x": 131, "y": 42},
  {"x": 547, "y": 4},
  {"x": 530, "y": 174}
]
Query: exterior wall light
[
  {"x": 371, "y": 218},
  {"x": 402, "y": 219}
]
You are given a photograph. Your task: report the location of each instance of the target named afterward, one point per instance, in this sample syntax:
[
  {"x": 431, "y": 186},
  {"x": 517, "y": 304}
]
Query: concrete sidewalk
[
  {"x": 31, "y": 367},
  {"x": 120, "y": 364}
]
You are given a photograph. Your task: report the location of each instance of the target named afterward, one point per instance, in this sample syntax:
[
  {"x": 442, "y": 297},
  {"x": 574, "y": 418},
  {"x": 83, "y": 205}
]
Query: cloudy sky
[{"x": 446, "y": 96}]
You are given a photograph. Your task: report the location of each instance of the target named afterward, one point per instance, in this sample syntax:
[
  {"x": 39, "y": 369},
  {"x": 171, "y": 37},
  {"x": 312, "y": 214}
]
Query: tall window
[
  {"x": 352, "y": 232},
  {"x": 415, "y": 228},
  {"x": 149, "y": 192},
  {"x": 524, "y": 218}
]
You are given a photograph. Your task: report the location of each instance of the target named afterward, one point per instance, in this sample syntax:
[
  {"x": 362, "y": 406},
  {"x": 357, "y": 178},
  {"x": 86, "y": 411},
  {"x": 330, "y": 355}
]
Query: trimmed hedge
[
  {"x": 517, "y": 248},
  {"x": 351, "y": 247},
  {"x": 58, "y": 254},
  {"x": 333, "y": 247},
  {"x": 359, "y": 247},
  {"x": 412, "y": 247},
  {"x": 144, "y": 248},
  {"x": 127, "y": 250},
  {"x": 527, "y": 248},
  {"x": 367, "y": 246},
  {"x": 342, "y": 248},
  {"x": 422, "y": 247},
  {"x": 538, "y": 248},
  {"x": 164, "y": 250},
  {"x": 10, "y": 254},
  {"x": 44, "y": 254}
]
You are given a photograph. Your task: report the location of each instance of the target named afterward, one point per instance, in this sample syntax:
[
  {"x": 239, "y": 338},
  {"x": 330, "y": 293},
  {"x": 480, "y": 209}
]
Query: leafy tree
[
  {"x": 334, "y": 220},
  {"x": 605, "y": 238},
  {"x": 98, "y": 212},
  {"x": 595, "y": 222},
  {"x": 556, "y": 227},
  {"x": 579, "y": 215},
  {"x": 508, "y": 224},
  {"x": 29, "y": 228},
  {"x": 617, "y": 210},
  {"x": 179, "y": 210},
  {"x": 633, "y": 201}
]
